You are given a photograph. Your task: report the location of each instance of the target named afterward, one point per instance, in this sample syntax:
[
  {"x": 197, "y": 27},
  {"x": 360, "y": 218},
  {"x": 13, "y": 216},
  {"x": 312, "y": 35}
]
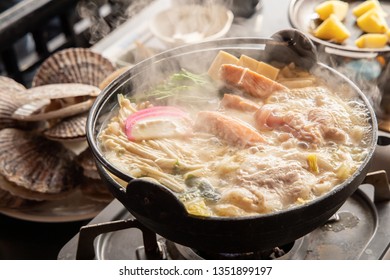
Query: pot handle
[
  {"x": 153, "y": 201},
  {"x": 381, "y": 185}
]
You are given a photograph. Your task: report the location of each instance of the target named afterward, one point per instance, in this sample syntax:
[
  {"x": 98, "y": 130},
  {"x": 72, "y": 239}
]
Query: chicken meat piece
[
  {"x": 284, "y": 181},
  {"x": 327, "y": 125},
  {"x": 245, "y": 199},
  {"x": 271, "y": 116}
]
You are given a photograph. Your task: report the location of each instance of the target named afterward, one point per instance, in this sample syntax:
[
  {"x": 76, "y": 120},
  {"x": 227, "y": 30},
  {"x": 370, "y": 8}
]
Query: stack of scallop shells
[{"x": 41, "y": 126}]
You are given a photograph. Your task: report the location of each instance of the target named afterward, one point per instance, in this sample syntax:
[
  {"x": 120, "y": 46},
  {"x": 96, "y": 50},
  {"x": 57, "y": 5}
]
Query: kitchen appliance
[{"x": 158, "y": 208}]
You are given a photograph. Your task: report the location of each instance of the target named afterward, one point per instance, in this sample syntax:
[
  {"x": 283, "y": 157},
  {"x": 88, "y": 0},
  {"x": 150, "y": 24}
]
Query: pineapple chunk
[
  {"x": 372, "y": 40},
  {"x": 336, "y": 7},
  {"x": 221, "y": 58},
  {"x": 366, "y": 6},
  {"x": 372, "y": 21},
  {"x": 332, "y": 29}
]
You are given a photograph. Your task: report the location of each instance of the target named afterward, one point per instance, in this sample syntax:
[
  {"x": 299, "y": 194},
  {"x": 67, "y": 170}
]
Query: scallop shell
[
  {"x": 35, "y": 163},
  {"x": 10, "y": 92},
  {"x": 73, "y": 65},
  {"x": 96, "y": 190},
  {"x": 87, "y": 163},
  {"x": 92, "y": 174},
  {"x": 113, "y": 76},
  {"x": 68, "y": 129},
  {"x": 55, "y": 101},
  {"x": 10, "y": 86},
  {"x": 7, "y": 200},
  {"x": 7, "y": 108},
  {"x": 92, "y": 186},
  {"x": 21, "y": 195}
]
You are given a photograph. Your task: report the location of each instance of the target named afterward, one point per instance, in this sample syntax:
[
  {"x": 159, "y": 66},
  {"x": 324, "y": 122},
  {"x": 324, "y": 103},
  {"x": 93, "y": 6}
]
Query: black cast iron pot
[{"x": 158, "y": 208}]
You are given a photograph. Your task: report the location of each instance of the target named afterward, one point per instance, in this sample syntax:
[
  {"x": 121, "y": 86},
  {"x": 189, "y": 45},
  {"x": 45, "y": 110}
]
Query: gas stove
[{"x": 360, "y": 229}]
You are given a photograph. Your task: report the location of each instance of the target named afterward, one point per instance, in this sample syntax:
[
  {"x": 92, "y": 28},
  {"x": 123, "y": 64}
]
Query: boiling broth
[{"x": 226, "y": 152}]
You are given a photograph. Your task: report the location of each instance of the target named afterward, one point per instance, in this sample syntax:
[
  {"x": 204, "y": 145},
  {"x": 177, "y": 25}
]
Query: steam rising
[
  {"x": 102, "y": 23},
  {"x": 364, "y": 72}
]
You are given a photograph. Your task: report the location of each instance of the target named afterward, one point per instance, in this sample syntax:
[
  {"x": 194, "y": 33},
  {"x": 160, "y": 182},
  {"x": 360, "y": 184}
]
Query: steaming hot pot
[{"x": 158, "y": 208}]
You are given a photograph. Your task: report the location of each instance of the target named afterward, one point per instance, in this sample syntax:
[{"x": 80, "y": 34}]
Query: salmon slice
[
  {"x": 239, "y": 103},
  {"x": 251, "y": 82},
  {"x": 227, "y": 128}
]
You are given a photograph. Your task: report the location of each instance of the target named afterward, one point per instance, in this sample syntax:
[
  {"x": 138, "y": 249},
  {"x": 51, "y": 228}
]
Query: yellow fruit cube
[
  {"x": 372, "y": 21},
  {"x": 332, "y": 29},
  {"x": 366, "y": 6},
  {"x": 371, "y": 40},
  {"x": 336, "y": 7}
]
